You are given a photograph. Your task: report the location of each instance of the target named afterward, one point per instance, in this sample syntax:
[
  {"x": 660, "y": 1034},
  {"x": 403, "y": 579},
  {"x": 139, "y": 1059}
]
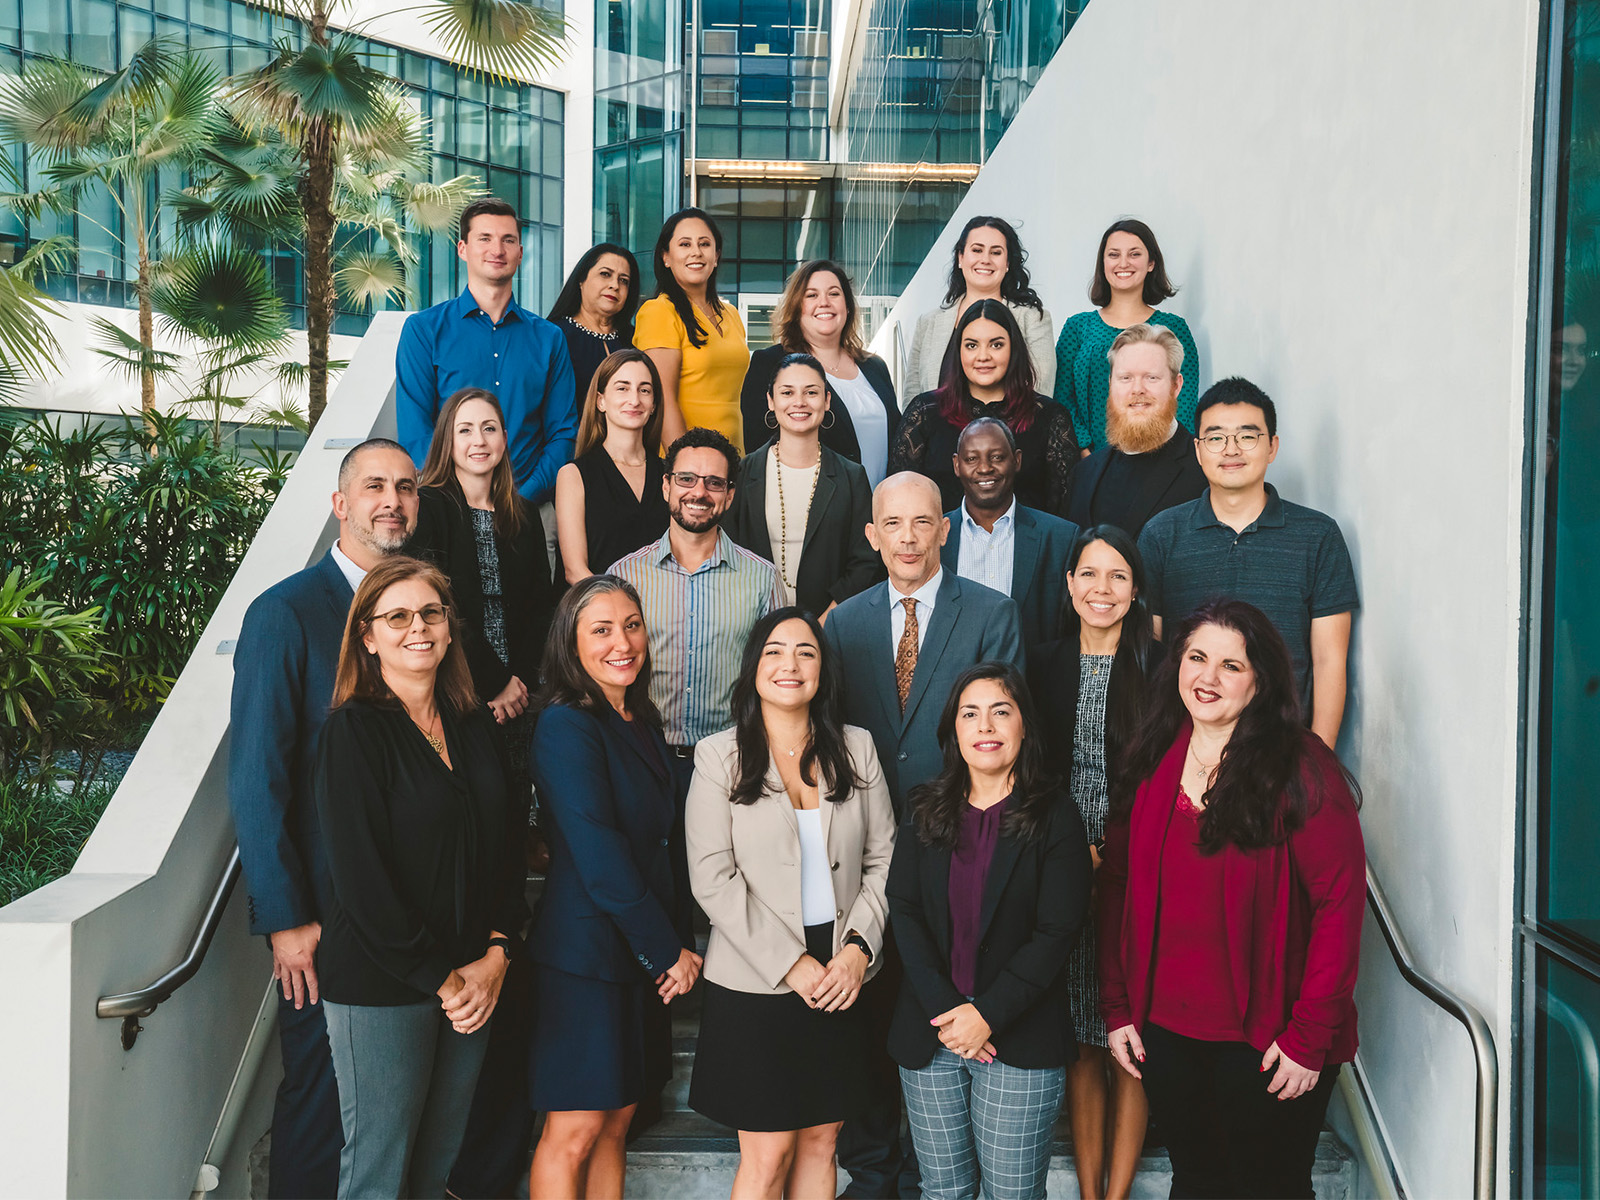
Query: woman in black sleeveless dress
[{"x": 609, "y": 500}]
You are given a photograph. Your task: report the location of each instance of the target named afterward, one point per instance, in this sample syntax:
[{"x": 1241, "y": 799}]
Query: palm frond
[
  {"x": 37, "y": 106},
  {"x": 134, "y": 86},
  {"x": 220, "y": 293},
  {"x": 432, "y": 207},
  {"x": 369, "y": 276},
  {"x": 285, "y": 416},
  {"x": 391, "y": 139},
  {"x": 504, "y": 39},
  {"x": 128, "y": 354},
  {"x": 27, "y": 347},
  {"x": 48, "y": 256},
  {"x": 332, "y": 83}
]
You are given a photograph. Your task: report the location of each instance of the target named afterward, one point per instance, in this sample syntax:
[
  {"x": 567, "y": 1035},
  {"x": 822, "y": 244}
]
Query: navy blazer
[
  {"x": 283, "y": 672},
  {"x": 1040, "y": 552},
  {"x": 970, "y": 624},
  {"x": 609, "y": 808}
]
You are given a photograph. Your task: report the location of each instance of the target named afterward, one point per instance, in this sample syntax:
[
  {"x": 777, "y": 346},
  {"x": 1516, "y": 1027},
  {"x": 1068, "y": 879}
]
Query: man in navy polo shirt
[
  {"x": 484, "y": 338},
  {"x": 1239, "y": 540}
]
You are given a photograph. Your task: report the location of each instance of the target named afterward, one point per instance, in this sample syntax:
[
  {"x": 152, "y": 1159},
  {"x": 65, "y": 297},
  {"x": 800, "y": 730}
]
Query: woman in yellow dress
[{"x": 695, "y": 339}]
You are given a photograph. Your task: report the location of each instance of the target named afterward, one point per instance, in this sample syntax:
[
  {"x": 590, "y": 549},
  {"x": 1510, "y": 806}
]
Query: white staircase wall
[
  {"x": 1343, "y": 194},
  {"x": 79, "y": 1116}
]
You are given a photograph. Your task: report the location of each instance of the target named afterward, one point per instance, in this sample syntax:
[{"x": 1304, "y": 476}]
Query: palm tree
[
  {"x": 324, "y": 97},
  {"x": 122, "y": 132}
]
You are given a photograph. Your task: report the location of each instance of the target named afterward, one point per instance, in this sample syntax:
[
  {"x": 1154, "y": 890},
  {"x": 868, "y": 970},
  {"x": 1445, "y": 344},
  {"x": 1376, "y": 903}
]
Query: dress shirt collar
[
  {"x": 972, "y": 526},
  {"x": 467, "y": 305},
  {"x": 353, "y": 574},
  {"x": 664, "y": 556},
  {"x": 1271, "y": 515},
  {"x": 925, "y": 596}
]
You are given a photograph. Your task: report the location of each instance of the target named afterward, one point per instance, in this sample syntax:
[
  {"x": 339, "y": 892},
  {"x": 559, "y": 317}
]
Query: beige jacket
[
  {"x": 744, "y": 865},
  {"x": 932, "y": 336}
]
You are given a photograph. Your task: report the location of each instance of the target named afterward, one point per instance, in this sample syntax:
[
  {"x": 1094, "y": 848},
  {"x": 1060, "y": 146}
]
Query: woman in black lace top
[{"x": 987, "y": 373}]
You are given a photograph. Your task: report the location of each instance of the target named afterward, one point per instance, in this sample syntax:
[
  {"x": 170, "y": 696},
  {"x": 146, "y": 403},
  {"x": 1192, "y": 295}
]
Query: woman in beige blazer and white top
[{"x": 790, "y": 833}]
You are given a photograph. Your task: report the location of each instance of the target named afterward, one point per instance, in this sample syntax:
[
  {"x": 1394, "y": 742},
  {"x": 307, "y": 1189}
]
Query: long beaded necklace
[{"x": 783, "y": 512}]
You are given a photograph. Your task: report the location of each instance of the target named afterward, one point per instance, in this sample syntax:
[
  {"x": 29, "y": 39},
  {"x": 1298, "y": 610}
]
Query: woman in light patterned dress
[{"x": 1089, "y": 686}]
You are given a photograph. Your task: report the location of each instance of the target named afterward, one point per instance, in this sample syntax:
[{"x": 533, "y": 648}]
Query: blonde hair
[
  {"x": 592, "y": 422},
  {"x": 1149, "y": 334}
]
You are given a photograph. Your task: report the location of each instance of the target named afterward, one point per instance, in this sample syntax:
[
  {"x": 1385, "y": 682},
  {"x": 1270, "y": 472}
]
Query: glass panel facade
[
  {"x": 1560, "y": 1126},
  {"x": 471, "y": 123}
]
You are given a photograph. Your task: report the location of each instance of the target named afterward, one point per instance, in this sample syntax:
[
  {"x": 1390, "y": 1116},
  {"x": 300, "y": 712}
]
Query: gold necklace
[
  {"x": 783, "y": 517},
  {"x": 436, "y": 742}
]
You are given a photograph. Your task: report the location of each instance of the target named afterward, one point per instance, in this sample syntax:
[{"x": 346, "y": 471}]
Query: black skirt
[
  {"x": 772, "y": 1063},
  {"x": 597, "y": 1045}
]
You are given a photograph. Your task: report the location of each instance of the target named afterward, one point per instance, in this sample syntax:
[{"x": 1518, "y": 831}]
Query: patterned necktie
[{"x": 905, "y": 657}]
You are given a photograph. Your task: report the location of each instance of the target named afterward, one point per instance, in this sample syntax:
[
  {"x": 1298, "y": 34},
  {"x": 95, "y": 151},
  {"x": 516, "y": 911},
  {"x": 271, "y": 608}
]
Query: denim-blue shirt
[{"x": 522, "y": 359}]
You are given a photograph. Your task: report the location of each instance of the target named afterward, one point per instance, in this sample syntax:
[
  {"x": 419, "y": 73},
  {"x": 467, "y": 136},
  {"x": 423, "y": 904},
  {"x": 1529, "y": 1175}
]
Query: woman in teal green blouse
[{"x": 1130, "y": 279}]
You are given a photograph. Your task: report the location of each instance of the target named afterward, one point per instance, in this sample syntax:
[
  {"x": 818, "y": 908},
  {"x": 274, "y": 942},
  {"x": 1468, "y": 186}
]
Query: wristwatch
[
  {"x": 860, "y": 943},
  {"x": 504, "y": 943}
]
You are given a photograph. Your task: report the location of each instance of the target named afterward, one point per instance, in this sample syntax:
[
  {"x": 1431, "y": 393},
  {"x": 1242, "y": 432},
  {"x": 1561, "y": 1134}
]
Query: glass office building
[{"x": 509, "y": 136}]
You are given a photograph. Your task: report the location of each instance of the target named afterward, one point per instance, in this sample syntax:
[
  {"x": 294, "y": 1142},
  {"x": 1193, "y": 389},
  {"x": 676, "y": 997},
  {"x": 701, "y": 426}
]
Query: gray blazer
[
  {"x": 932, "y": 336},
  {"x": 744, "y": 865},
  {"x": 1039, "y": 555},
  {"x": 970, "y": 624}
]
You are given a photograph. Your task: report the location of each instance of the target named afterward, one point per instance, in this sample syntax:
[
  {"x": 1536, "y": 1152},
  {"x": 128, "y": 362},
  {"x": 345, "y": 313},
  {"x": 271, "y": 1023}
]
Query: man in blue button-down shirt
[{"x": 484, "y": 338}]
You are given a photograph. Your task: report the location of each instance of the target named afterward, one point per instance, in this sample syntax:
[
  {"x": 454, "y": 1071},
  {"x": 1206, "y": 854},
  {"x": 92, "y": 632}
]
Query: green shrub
[{"x": 41, "y": 833}]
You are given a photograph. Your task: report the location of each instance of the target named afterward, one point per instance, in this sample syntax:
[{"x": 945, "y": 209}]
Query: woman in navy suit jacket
[{"x": 609, "y": 958}]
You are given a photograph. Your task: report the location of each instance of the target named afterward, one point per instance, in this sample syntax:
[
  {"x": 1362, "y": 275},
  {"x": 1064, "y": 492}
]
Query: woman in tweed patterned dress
[{"x": 1089, "y": 687}]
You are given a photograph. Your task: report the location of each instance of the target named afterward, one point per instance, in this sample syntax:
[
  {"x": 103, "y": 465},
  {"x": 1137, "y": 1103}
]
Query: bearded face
[{"x": 1143, "y": 401}]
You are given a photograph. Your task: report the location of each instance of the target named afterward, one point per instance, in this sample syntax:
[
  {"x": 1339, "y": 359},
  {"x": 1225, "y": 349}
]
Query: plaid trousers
[{"x": 982, "y": 1124}]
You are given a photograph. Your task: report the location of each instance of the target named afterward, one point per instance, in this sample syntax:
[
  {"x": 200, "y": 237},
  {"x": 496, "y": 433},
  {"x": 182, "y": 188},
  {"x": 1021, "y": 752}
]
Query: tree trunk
[
  {"x": 147, "y": 334},
  {"x": 316, "y": 199}
]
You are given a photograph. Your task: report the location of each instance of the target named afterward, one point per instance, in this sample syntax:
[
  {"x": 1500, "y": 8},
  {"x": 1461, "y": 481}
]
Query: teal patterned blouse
[{"x": 1083, "y": 377}]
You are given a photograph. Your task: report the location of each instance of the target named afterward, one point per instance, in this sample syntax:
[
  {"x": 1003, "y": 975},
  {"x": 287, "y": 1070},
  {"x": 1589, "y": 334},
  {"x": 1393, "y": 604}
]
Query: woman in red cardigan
[{"x": 1231, "y": 900}]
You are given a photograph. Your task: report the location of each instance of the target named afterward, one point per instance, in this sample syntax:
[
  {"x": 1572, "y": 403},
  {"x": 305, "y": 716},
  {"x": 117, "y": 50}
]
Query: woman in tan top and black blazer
[{"x": 790, "y": 832}]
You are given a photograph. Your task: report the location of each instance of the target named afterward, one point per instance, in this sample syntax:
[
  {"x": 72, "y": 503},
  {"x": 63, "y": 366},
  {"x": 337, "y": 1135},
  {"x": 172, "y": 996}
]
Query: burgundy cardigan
[{"x": 1294, "y": 911}]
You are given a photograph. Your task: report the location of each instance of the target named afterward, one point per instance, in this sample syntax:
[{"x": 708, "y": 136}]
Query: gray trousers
[{"x": 405, "y": 1088}]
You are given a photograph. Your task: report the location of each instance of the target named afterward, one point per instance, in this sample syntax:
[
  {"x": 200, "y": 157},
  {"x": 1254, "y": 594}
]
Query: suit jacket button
[
  {"x": 903, "y": 756},
  {"x": 835, "y": 866},
  {"x": 663, "y": 841},
  {"x": 839, "y": 913}
]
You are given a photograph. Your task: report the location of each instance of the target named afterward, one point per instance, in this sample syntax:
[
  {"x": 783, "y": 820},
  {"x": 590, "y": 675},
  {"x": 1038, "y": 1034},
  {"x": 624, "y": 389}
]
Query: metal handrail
[
  {"x": 130, "y": 1006},
  {"x": 1483, "y": 1149}
]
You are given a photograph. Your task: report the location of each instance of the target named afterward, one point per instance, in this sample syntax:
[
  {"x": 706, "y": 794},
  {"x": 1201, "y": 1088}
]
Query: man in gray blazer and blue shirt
[
  {"x": 902, "y": 643},
  {"x": 996, "y": 541}
]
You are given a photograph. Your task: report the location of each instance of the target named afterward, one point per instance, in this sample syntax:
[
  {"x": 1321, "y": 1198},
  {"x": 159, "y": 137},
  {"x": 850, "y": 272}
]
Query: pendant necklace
[{"x": 436, "y": 742}]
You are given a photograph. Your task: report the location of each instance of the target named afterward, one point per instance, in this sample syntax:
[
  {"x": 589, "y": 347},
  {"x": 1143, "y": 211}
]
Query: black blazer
[
  {"x": 1041, "y": 549},
  {"x": 608, "y": 808},
  {"x": 1171, "y": 476},
  {"x": 836, "y": 560},
  {"x": 424, "y": 859},
  {"x": 444, "y": 537},
  {"x": 1053, "y": 670},
  {"x": 840, "y": 435},
  {"x": 1034, "y": 902}
]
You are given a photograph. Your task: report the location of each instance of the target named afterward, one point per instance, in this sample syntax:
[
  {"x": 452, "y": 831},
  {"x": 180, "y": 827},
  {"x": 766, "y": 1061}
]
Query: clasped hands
[
  {"x": 1289, "y": 1082},
  {"x": 469, "y": 994},
  {"x": 831, "y": 988},
  {"x": 678, "y": 979},
  {"x": 963, "y": 1031}
]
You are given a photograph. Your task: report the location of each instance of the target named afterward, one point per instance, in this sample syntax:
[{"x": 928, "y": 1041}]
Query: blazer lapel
[
  {"x": 882, "y": 663},
  {"x": 1006, "y": 852},
  {"x": 945, "y": 612},
  {"x": 1166, "y": 468},
  {"x": 950, "y": 552},
  {"x": 936, "y": 893},
  {"x": 755, "y": 503},
  {"x": 1024, "y": 553},
  {"x": 619, "y": 733},
  {"x": 1094, "y": 468},
  {"x": 779, "y": 793},
  {"x": 339, "y": 592},
  {"x": 823, "y": 498}
]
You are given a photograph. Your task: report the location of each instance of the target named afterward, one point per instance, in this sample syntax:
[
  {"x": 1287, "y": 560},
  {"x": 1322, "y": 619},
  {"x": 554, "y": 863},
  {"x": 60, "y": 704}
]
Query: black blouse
[
  {"x": 588, "y": 350},
  {"x": 925, "y": 442},
  {"x": 424, "y": 860},
  {"x": 615, "y": 521}
]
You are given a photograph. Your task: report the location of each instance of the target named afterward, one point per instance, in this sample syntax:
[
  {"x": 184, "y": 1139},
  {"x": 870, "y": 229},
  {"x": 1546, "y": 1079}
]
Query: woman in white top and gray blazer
[
  {"x": 790, "y": 833},
  {"x": 988, "y": 265}
]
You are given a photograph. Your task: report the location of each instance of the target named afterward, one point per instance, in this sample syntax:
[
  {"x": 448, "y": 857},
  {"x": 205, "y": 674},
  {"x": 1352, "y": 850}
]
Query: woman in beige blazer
[{"x": 790, "y": 833}]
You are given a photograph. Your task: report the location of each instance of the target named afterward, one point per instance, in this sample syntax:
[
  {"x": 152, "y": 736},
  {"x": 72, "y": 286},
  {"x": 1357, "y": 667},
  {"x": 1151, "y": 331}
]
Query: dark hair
[
  {"x": 1259, "y": 796},
  {"x": 510, "y": 509},
  {"x": 669, "y": 287},
  {"x": 347, "y": 464},
  {"x": 981, "y": 423},
  {"x": 592, "y": 422},
  {"x": 937, "y": 804},
  {"x": 360, "y": 675},
  {"x": 786, "y": 320},
  {"x": 701, "y": 438},
  {"x": 1016, "y": 287},
  {"x": 489, "y": 206},
  {"x": 1237, "y": 390},
  {"x": 1136, "y": 645},
  {"x": 565, "y": 680},
  {"x": 955, "y": 395},
  {"x": 799, "y": 358},
  {"x": 825, "y": 748},
  {"x": 570, "y": 298},
  {"x": 1157, "y": 287}
]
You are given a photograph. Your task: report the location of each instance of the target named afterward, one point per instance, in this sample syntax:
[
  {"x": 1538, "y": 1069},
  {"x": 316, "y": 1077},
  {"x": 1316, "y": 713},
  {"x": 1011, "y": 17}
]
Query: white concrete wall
[
  {"x": 1342, "y": 191},
  {"x": 79, "y": 1116}
]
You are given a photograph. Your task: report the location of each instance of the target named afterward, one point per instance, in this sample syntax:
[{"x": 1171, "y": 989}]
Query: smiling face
[
  {"x": 691, "y": 255},
  {"x": 1101, "y": 586},
  {"x": 417, "y": 648},
  {"x": 1235, "y": 468},
  {"x": 478, "y": 439},
  {"x": 987, "y": 467},
  {"x": 1143, "y": 401},
  {"x": 983, "y": 261},
  {"x": 791, "y": 666},
  {"x": 1215, "y": 678},
  {"x": 629, "y": 400},
  {"x": 799, "y": 399},
  {"x": 492, "y": 249},
  {"x": 377, "y": 506},
  {"x": 612, "y": 642},
  {"x": 823, "y": 311},
  {"x": 988, "y": 728},
  {"x": 1126, "y": 262},
  {"x": 907, "y": 529},
  {"x": 606, "y": 288},
  {"x": 985, "y": 356},
  {"x": 697, "y": 509}
]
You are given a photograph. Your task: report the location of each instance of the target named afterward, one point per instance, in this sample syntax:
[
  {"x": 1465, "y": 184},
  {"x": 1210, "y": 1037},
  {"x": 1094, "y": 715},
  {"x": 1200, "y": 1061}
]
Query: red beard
[{"x": 1140, "y": 435}]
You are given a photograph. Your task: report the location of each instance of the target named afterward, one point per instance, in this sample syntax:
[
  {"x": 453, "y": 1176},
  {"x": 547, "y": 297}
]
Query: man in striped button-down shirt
[{"x": 701, "y": 596}]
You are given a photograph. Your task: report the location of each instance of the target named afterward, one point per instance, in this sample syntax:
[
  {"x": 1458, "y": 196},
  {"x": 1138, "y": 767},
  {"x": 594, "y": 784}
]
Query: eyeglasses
[
  {"x": 687, "y": 479},
  {"x": 401, "y": 618},
  {"x": 1218, "y": 442}
]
